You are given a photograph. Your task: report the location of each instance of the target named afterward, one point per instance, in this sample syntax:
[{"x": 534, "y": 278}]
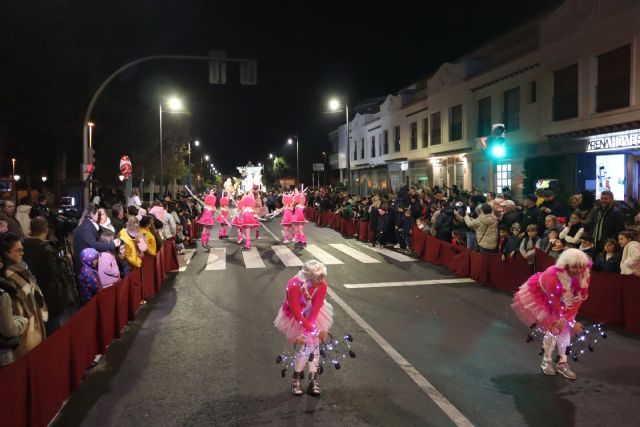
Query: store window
[
  {"x": 414, "y": 135},
  {"x": 503, "y": 176},
  {"x": 435, "y": 129},
  {"x": 455, "y": 123},
  {"x": 614, "y": 79},
  {"x": 373, "y": 146}
]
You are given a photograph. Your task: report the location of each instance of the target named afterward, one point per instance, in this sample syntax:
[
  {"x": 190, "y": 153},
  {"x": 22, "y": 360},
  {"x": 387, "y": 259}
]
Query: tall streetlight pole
[
  {"x": 290, "y": 141},
  {"x": 175, "y": 106},
  {"x": 44, "y": 188},
  {"x": 336, "y": 107}
]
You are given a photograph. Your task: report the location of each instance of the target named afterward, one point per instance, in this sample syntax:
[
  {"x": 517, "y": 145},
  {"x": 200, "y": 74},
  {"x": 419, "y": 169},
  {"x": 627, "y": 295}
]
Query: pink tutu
[
  {"x": 531, "y": 305},
  {"x": 223, "y": 218},
  {"x": 287, "y": 217},
  {"x": 298, "y": 216},
  {"x": 289, "y": 326},
  {"x": 207, "y": 217},
  {"x": 249, "y": 220}
]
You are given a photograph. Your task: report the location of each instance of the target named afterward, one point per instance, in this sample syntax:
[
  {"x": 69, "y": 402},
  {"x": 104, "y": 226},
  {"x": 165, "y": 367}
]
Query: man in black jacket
[
  {"x": 52, "y": 273},
  {"x": 86, "y": 236},
  {"x": 609, "y": 221},
  {"x": 117, "y": 217},
  {"x": 531, "y": 213},
  {"x": 551, "y": 206}
]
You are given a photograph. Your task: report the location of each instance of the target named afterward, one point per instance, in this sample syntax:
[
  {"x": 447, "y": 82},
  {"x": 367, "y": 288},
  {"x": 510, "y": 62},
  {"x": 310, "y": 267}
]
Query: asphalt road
[{"x": 202, "y": 352}]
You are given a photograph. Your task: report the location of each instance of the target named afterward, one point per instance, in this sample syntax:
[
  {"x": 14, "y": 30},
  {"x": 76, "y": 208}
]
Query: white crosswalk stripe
[
  {"x": 252, "y": 259},
  {"x": 391, "y": 254},
  {"x": 188, "y": 255},
  {"x": 322, "y": 255},
  {"x": 217, "y": 259},
  {"x": 288, "y": 258},
  {"x": 354, "y": 253}
]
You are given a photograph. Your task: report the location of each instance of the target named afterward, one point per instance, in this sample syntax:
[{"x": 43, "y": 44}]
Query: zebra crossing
[{"x": 331, "y": 254}]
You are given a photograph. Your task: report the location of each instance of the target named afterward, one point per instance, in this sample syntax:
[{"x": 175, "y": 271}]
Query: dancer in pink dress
[
  {"x": 260, "y": 208},
  {"x": 206, "y": 219},
  {"x": 249, "y": 219},
  {"x": 550, "y": 300},
  {"x": 299, "y": 220},
  {"x": 223, "y": 217},
  {"x": 287, "y": 218},
  {"x": 237, "y": 221},
  {"x": 305, "y": 319}
]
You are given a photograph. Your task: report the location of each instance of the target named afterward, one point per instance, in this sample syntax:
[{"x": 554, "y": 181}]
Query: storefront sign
[
  {"x": 404, "y": 166},
  {"x": 615, "y": 141}
]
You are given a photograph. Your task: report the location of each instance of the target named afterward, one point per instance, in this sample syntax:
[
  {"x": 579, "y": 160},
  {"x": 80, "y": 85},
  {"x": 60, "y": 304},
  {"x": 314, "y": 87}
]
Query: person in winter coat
[
  {"x": 373, "y": 215},
  {"x": 8, "y": 214},
  {"x": 22, "y": 215},
  {"x": 486, "y": 227},
  {"x": 29, "y": 300},
  {"x": 609, "y": 259},
  {"x": 86, "y": 236},
  {"x": 108, "y": 270},
  {"x": 550, "y": 223},
  {"x": 609, "y": 221},
  {"x": 145, "y": 228},
  {"x": 444, "y": 224},
  {"x": 630, "y": 263},
  {"x": 551, "y": 206},
  {"x": 573, "y": 230},
  {"x": 529, "y": 244},
  {"x": 12, "y": 324},
  {"x": 130, "y": 236},
  {"x": 382, "y": 225},
  {"x": 88, "y": 279},
  {"x": 40, "y": 208},
  {"x": 53, "y": 274},
  {"x": 510, "y": 215}
]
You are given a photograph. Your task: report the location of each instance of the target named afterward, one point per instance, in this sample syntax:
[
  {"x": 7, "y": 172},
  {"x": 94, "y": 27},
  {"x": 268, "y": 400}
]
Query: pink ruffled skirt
[
  {"x": 206, "y": 218},
  {"x": 531, "y": 306},
  {"x": 289, "y": 326}
]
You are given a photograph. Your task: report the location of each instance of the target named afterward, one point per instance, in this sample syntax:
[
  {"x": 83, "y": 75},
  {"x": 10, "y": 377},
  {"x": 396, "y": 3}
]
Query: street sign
[
  {"x": 217, "y": 69},
  {"x": 318, "y": 167}
]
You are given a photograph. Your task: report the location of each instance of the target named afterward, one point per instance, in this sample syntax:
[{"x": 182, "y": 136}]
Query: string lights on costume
[
  {"x": 332, "y": 353},
  {"x": 580, "y": 345}
]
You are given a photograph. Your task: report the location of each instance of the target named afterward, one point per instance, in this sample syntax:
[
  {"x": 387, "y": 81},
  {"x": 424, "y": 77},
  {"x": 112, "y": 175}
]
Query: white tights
[
  {"x": 560, "y": 341},
  {"x": 303, "y": 356}
]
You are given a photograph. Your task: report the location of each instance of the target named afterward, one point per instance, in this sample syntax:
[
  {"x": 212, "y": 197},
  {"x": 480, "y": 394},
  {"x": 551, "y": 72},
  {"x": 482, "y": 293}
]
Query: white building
[{"x": 566, "y": 85}]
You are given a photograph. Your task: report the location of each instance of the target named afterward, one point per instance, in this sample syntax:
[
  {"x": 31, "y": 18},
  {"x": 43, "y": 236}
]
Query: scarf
[{"x": 597, "y": 233}]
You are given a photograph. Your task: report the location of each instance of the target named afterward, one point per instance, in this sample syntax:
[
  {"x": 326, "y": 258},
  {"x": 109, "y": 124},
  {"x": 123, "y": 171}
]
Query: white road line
[
  {"x": 390, "y": 254},
  {"x": 269, "y": 231},
  {"x": 411, "y": 283},
  {"x": 322, "y": 255},
  {"x": 354, "y": 253},
  {"x": 427, "y": 388},
  {"x": 217, "y": 259},
  {"x": 288, "y": 258},
  {"x": 188, "y": 254},
  {"x": 252, "y": 259}
]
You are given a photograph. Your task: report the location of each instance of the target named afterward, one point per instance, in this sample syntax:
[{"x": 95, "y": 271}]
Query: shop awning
[
  {"x": 451, "y": 152},
  {"x": 601, "y": 130},
  {"x": 400, "y": 159}
]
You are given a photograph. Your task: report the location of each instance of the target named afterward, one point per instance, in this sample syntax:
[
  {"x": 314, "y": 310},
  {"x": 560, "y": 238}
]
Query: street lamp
[
  {"x": 290, "y": 142},
  {"x": 335, "y": 106},
  {"x": 174, "y": 106},
  {"x": 270, "y": 156},
  {"x": 16, "y": 178},
  {"x": 90, "y": 125},
  {"x": 206, "y": 157},
  {"x": 44, "y": 189},
  {"x": 196, "y": 143}
]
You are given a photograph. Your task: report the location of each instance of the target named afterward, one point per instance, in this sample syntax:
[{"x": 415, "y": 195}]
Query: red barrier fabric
[
  {"x": 479, "y": 267},
  {"x": 459, "y": 264},
  {"x": 49, "y": 377},
  {"x": 543, "y": 261},
  {"x": 336, "y": 222},
  {"x": 310, "y": 213},
  {"x": 363, "y": 230},
  {"x": 135, "y": 292},
  {"x": 508, "y": 274},
  {"x": 13, "y": 394},
  {"x": 158, "y": 273},
  {"x": 149, "y": 276},
  {"x": 445, "y": 254},
  {"x": 418, "y": 240},
  {"x": 432, "y": 250},
  {"x": 106, "y": 317},
  {"x": 84, "y": 342},
  {"x": 171, "y": 256},
  {"x": 326, "y": 218},
  {"x": 348, "y": 228},
  {"x": 122, "y": 305},
  {"x": 630, "y": 299},
  {"x": 605, "y": 299}
]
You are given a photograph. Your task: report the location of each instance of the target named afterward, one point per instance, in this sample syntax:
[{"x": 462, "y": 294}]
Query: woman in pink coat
[{"x": 108, "y": 270}]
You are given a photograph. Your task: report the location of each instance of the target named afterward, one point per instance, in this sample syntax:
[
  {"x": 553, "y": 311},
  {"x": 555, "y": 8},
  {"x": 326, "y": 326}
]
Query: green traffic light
[{"x": 498, "y": 151}]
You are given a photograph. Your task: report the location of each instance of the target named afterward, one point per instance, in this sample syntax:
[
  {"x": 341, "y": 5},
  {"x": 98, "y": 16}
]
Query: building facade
[{"x": 566, "y": 86}]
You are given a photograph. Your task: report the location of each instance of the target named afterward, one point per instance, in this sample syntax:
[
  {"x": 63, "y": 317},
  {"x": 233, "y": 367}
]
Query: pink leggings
[
  {"x": 206, "y": 232},
  {"x": 298, "y": 230},
  {"x": 223, "y": 231}
]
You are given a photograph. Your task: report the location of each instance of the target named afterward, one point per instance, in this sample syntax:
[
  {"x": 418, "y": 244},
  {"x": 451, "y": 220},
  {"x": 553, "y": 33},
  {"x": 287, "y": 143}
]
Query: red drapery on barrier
[
  {"x": 49, "y": 377},
  {"x": 135, "y": 292},
  {"x": 630, "y": 298},
  {"x": 106, "y": 317},
  {"x": 432, "y": 249},
  {"x": 459, "y": 264},
  {"x": 605, "y": 298},
  {"x": 84, "y": 344},
  {"x": 508, "y": 274},
  {"x": 363, "y": 230},
  {"x": 122, "y": 304},
  {"x": 418, "y": 240},
  {"x": 149, "y": 276},
  {"x": 310, "y": 213},
  {"x": 13, "y": 394},
  {"x": 170, "y": 256},
  {"x": 348, "y": 228},
  {"x": 543, "y": 261},
  {"x": 478, "y": 267},
  {"x": 325, "y": 218},
  {"x": 336, "y": 222},
  {"x": 445, "y": 254},
  {"x": 158, "y": 271}
]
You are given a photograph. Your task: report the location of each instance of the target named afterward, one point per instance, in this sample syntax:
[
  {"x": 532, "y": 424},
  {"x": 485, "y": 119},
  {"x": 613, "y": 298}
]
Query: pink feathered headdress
[
  {"x": 210, "y": 200},
  {"x": 248, "y": 200},
  {"x": 301, "y": 199},
  {"x": 224, "y": 201}
]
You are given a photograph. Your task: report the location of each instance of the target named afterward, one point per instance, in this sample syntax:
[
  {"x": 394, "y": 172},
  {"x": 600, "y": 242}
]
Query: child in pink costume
[
  {"x": 249, "y": 219},
  {"x": 206, "y": 219},
  {"x": 260, "y": 209},
  {"x": 550, "y": 300},
  {"x": 305, "y": 319},
  {"x": 237, "y": 221},
  {"x": 287, "y": 218},
  {"x": 223, "y": 218},
  {"x": 299, "y": 220}
]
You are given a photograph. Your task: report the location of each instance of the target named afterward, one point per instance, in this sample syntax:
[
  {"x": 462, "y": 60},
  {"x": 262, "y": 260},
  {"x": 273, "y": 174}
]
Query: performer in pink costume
[
  {"x": 223, "y": 217},
  {"x": 550, "y": 300},
  {"x": 299, "y": 220},
  {"x": 305, "y": 319},
  {"x": 249, "y": 219},
  {"x": 260, "y": 209},
  {"x": 206, "y": 219},
  {"x": 287, "y": 218},
  {"x": 237, "y": 221}
]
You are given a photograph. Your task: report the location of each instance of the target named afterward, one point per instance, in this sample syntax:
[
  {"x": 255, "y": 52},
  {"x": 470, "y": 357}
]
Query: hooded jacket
[
  {"x": 486, "y": 227},
  {"x": 88, "y": 280}
]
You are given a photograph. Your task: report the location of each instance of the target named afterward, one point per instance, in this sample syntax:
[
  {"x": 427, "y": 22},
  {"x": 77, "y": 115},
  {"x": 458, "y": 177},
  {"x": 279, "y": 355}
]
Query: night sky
[{"x": 56, "y": 53}]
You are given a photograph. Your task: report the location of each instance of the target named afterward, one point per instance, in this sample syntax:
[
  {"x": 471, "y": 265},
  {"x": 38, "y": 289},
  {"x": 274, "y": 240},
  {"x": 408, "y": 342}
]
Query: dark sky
[{"x": 56, "y": 53}]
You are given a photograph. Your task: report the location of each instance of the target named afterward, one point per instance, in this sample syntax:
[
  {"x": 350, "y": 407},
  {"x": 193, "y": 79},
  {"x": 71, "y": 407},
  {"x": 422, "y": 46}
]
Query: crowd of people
[
  {"x": 605, "y": 230},
  {"x": 47, "y": 275}
]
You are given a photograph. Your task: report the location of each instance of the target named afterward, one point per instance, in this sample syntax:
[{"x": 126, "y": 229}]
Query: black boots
[
  {"x": 313, "y": 389},
  {"x": 296, "y": 385}
]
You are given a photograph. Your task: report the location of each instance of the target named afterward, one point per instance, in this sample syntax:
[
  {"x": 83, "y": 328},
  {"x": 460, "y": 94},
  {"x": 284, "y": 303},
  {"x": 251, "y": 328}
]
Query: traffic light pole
[{"x": 249, "y": 63}]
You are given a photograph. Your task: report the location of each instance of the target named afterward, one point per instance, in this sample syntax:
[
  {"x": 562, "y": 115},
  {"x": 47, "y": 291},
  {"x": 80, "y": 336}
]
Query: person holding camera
[
  {"x": 486, "y": 228},
  {"x": 87, "y": 234}
]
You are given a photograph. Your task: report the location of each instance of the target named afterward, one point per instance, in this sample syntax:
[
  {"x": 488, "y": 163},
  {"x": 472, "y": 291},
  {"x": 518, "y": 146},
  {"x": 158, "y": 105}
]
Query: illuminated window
[{"x": 503, "y": 176}]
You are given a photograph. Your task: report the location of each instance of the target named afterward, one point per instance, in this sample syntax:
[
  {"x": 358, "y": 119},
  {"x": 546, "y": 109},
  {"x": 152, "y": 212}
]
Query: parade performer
[
  {"x": 206, "y": 219},
  {"x": 550, "y": 300},
  {"x": 305, "y": 319},
  {"x": 260, "y": 208},
  {"x": 237, "y": 221},
  {"x": 223, "y": 217},
  {"x": 287, "y": 218},
  {"x": 249, "y": 218},
  {"x": 299, "y": 219}
]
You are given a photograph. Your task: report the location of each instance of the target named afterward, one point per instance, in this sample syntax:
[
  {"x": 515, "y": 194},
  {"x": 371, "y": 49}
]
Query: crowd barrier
[
  {"x": 33, "y": 389},
  {"x": 613, "y": 298}
]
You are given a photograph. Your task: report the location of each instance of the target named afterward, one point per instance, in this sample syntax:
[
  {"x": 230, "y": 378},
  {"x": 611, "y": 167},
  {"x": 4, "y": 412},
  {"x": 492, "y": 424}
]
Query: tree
[{"x": 279, "y": 166}]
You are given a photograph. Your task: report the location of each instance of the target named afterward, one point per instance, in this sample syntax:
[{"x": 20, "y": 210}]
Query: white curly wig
[
  {"x": 573, "y": 257},
  {"x": 314, "y": 270}
]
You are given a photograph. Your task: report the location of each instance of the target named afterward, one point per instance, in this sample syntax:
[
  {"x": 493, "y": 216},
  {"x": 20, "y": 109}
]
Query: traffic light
[
  {"x": 92, "y": 156},
  {"x": 496, "y": 143}
]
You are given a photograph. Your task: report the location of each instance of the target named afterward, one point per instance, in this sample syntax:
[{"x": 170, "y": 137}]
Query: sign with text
[
  {"x": 615, "y": 141},
  {"x": 318, "y": 167}
]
